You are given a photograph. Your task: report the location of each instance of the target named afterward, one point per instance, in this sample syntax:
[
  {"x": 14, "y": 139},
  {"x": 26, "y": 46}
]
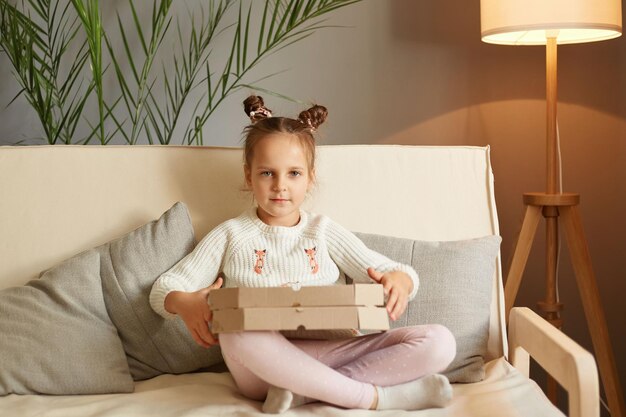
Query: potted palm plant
[{"x": 61, "y": 54}]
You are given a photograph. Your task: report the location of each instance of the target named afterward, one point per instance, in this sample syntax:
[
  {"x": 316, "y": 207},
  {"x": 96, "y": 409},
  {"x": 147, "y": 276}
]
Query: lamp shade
[{"x": 530, "y": 22}]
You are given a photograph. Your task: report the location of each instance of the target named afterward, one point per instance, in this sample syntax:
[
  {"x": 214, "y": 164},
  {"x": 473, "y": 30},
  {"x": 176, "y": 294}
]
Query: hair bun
[
  {"x": 314, "y": 116},
  {"x": 255, "y": 108}
]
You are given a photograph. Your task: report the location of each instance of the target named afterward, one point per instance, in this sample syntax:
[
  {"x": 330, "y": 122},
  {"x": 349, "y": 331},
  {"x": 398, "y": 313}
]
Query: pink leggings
[{"x": 340, "y": 372}]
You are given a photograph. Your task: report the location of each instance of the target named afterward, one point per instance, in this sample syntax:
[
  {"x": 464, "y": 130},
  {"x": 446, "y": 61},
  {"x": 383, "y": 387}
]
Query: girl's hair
[{"x": 264, "y": 124}]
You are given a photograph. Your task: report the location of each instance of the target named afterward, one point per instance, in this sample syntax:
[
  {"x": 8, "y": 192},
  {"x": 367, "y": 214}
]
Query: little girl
[{"x": 276, "y": 243}]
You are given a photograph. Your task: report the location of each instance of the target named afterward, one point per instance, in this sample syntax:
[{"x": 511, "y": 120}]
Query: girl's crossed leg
[{"x": 345, "y": 372}]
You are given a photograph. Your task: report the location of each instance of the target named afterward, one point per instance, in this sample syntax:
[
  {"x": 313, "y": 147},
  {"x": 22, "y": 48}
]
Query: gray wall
[{"x": 416, "y": 72}]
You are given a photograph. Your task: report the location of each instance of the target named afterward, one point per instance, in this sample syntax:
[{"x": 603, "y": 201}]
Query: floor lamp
[{"x": 541, "y": 22}]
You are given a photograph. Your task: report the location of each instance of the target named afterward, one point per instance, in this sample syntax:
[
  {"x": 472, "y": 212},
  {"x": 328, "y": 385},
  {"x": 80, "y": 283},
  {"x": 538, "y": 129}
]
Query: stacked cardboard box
[{"x": 358, "y": 306}]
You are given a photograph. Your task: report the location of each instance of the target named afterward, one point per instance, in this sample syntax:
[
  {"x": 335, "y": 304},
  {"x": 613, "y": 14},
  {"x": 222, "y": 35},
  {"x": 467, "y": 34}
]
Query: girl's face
[{"x": 279, "y": 178}]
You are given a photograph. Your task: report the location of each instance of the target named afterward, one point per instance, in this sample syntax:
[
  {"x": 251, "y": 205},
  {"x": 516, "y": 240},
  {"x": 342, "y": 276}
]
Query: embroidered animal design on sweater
[
  {"x": 260, "y": 260},
  {"x": 312, "y": 261}
]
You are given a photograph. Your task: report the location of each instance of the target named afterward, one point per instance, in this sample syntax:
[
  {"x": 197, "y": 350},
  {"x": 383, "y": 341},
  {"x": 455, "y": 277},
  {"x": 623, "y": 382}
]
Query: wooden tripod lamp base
[{"x": 564, "y": 206}]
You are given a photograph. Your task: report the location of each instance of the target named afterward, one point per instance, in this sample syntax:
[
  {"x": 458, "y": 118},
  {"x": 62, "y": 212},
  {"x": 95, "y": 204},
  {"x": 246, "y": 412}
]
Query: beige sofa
[{"x": 57, "y": 201}]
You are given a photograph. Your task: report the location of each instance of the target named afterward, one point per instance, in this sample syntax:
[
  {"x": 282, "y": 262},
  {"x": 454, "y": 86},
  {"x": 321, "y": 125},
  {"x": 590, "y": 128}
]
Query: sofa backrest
[{"x": 56, "y": 201}]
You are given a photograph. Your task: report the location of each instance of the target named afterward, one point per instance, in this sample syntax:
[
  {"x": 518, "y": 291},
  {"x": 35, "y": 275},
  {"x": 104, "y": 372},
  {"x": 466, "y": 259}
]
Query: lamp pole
[
  {"x": 551, "y": 305},
  {"x": 551, "y": 103}
]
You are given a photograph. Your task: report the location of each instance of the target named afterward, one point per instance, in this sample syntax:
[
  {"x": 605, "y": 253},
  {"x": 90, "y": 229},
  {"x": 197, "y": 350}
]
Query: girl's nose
[{"x": 279, "y": 185}]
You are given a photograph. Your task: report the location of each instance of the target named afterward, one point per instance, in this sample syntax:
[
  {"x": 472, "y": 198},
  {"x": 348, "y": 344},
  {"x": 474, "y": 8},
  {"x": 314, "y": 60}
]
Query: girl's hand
[
  {"x": 397, "y": 286},
  {"x": 194, "y": 310}
]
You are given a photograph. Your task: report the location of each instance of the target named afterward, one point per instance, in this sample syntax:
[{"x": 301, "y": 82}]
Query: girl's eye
[
  {"x": 266, "y": 174},
  {"x": 295, "y": 173}
]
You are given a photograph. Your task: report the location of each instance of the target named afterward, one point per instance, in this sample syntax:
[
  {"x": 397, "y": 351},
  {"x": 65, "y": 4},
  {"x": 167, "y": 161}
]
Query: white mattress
[{"x": 503, "y": 392}]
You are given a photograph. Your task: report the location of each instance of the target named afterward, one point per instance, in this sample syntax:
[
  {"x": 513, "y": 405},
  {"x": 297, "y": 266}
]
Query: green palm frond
[
  {"x": 36, "y": 40},
  {"x": 136, "y": 91},
  {"x": 283, "y": 23},
  {"x": 89, "y": 13}
]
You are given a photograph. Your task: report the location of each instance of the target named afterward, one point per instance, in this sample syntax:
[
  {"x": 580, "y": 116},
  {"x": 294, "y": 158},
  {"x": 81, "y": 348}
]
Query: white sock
[
  {"x": 279, "y": 400},
  {"x": 427, "y": 392}
]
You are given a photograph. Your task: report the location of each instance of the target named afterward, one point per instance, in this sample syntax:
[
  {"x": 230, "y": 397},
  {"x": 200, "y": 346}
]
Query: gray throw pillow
[
  {"x": 456, "y": 281},
  {"x": 130, "y": 265},
  {"x": 56, "y": 336}
]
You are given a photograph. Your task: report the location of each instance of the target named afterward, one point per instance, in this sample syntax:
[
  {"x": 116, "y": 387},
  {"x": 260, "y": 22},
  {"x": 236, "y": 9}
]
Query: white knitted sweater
[{"x": 250, "y": 253}]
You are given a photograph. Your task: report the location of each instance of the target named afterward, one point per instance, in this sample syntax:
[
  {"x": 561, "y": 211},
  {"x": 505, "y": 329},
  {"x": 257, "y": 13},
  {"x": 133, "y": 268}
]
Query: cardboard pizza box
[
  {"x": 333, "y": 307},
  {"x": 295, "y": 318},
  {"x": 331, "y": 295}
]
